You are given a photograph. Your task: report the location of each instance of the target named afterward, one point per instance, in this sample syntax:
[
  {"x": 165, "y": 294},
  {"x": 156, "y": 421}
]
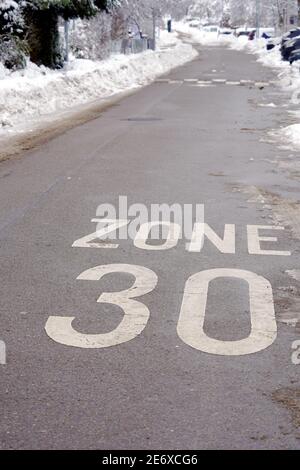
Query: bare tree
[{"x": 271, "y": 12}]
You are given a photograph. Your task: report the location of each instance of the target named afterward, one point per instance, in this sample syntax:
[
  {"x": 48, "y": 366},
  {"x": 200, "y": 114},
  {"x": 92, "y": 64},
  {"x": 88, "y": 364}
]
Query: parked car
[
  {"x": 190, "y": 19},
  {"x": 211, "y": 29},
  {"x": 293, "y": 33},
  {"x": 195, "y": 24},
  {"x": 243, "y": 33},
  {"x": 295, "y": 55},
  {"x": 226, "y": 31},
  {"x": 272, "y": 43},
  {"x": 267, "y": 33},
  {"x": 240, "y": 32},
  {"x": 290, "y": 46}
]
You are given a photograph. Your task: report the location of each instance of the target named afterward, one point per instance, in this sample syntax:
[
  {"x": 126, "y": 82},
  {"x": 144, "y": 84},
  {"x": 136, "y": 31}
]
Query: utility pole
[
  {"x": 222, "y": 18},
  {"x": 156, "y": 14},
  {"x": 66, "y": 31},
  {"x": 298, "y": 13},
  {"x": 258, "y": 18},
  {"x": 154, "y": 27}
]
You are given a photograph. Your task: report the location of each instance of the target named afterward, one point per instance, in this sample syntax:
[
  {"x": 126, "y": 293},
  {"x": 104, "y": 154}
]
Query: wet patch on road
[
  {"x": 143, "y": 119},
  {"x": 217, "y": 174}
]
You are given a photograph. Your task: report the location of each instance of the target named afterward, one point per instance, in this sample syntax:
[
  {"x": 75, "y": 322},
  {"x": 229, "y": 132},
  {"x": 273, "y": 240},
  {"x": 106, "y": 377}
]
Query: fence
[
  {"x": 136, "y": 46},
  {"x": 87, "y": 47}
]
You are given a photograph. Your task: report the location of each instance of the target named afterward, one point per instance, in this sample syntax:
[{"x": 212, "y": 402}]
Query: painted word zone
[{"x": 226, "y": 243}]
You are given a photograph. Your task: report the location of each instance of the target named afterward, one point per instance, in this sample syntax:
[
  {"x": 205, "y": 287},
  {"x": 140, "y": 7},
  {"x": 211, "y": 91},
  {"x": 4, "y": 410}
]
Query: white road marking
[
  {"x": 203, "y": 85},
  {"x": 247, "y": 82},
  {"x": 174, "y": 232},
  {"x": 89, "y": 240},
  {"x": 262, "y": 84},
  {"x": 254, "y": 240},
  {"x": 263, "y": 323},
  {"x": 225, "y": 245},
  {"x": 2, "y": 353},
  {"x": 215, "y": 81},
  {"x": 204, "y": 82},
  {"x": 136, "y": 314},
  {"x": 202, "y": 230}
]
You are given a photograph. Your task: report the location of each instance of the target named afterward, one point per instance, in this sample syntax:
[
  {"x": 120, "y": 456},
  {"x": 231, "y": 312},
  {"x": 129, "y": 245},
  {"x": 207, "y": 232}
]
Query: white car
[
  {"x": 195, "y": 24},
  {"x": 211, "y": 29}
]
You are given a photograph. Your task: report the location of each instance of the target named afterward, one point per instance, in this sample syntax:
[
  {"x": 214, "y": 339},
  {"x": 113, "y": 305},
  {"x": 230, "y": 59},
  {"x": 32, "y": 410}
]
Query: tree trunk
[{"x": 43, "y": 38}]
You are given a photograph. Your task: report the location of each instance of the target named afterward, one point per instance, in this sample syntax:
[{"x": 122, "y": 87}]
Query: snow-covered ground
[{"x": 36, "y": 93}]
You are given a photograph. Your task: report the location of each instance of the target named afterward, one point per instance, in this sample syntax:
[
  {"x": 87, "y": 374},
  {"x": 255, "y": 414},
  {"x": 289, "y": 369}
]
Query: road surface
[{"x": 199, "y": 362}]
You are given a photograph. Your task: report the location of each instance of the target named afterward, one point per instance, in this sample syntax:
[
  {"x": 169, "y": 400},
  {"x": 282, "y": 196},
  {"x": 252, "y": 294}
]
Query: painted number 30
[{"x": 191, "y": 320}]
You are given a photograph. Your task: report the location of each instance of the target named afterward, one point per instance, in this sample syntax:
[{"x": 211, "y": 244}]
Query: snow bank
[
  {"x": 28, "y": 95},
  {"x": 291, "y": 135},
  {"x": 268, "y": 58}
]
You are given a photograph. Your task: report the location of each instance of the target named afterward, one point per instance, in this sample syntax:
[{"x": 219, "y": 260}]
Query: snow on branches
[{"x": 11, "y": 19}]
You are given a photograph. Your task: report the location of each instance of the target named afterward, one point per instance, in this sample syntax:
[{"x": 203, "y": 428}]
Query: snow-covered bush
[
  {"x": 90, "y": 39},
  {"x": 95, "y": 38},
  {"x": 12, "y": 48},
  {"x": 12, "y": 52},
  {"x": 11, "y": 19}
]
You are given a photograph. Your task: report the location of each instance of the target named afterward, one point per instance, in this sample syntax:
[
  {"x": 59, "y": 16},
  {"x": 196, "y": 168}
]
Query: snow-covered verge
[
  {"x": 288, "y": 80},
  {"x": 288, "y": 75},
  {"x": 290, "y": 134},
  {"x": 36, "y": 92}
]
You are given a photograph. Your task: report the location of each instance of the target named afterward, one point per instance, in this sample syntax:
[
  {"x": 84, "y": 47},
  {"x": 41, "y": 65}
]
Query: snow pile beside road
[
  {"x": 291, "y": 134},
  {"x": 268, "y": 58},
  {"x": 36, "y": 92},
  {"x": 288, "y": 80}
]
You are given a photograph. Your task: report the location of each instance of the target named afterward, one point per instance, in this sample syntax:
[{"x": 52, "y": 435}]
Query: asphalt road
[{"x": 176, "y": 141}]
